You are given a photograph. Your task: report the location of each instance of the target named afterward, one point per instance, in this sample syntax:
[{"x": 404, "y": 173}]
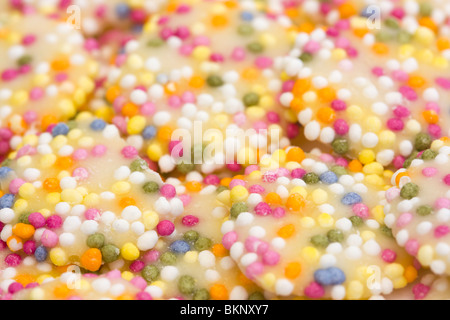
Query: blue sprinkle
[
  {"x": 180, "y": 246},
  {"x": 123, "y": 10},
  {"x": 6, "y": 201},
  {"x": 328, "y": 177},
  {"x": 351, "y": 198},
  {"x": 40, "y": 254},
  {"x": 367, "y": 12},
  {"x": 4, "y": 172},
  {"x": 138, "y": 28},
  {"x": 330, "y": 276},
  {"x": 98, "y": 125},
  {"x": 246, "y": 16},
  {"x": 149, "y": 132},
  {"x": 60, "y": 129}
]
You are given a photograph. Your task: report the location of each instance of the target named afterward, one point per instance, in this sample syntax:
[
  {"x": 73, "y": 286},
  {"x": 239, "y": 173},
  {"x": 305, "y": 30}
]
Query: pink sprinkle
[
  {"x": 441, "y": 231},
  {"x": 392, "y": 194},
  {"x": 240, "y": 118},
  {"x": 9, "y": 74},
  {"x": 420, "y": 291},
  {"x": 143, "y": 296},
  {"x": 341, "y": 127},
  {"x": 80, "y": 173},
  {"x": 401, "y": 112},
  {"x": 408, "y": 93},
  {"x": 168, "y": 191},
  {"x": 120, "y": 123},
  {"x": 271, "y": 258},
  {"x": 311, "y": 46},
  {"x": 327, "y": 158},
  {"x": 298, "y": 173},
  {"x": 201, "y": 41},
  {"x": 282, "y": 172},
  {"x": 151, "y": 256},
  {"x": 412, "y": 247},
  {"x": 28, "y": 39},
  {"x": 236, "y": 182},
  {"x": 442, "y": 203},
  {"x": 433, "y": 106},
  {"x": 287, "y": 86},
  {"x": 174, "y": 102},
  {"x": 238, "y": 54},
  {"x": 278, "y": 213},
  {"x": 13, "y": 260},
  {"x": 398, "y": 162},
  {"x": 137, "y": 266},
  {"x": 443, "y": 82},
  {"x": 229, "y": 239},
  {"x": 251, "y": 168},
  {"x": 190, "y": 221},
  {"x": 447, "y": 179},
  {"x": 185, "y": 198},
  {"x": 92, "y": 214},
  {"x": 147, "y": 109},
  {"x": 217, "y": 57},
  {"x": 15, "y": 185},
  {"x": 273, "y": 117},
  {"x": 188, "y": 97},
  {"x": 314, "y": 291},
  {"x": 234, "y": 167},
  {"x": 429, "y": 171},
  {"x": 400, "y": 75},
  {"x": 80, "y": 154},
  {"x": 165, "y": 228},
  {"x": 54, "y": 222},
  {"x": 270, "y": 177},
  {"x": 211, "y": 179},
  {"x": 37, "y": 220},
  {"x": 435, "y": 130},
  {"x": 263, "y": 209},
  {"x": 398, "y": 13},
  {"x": 176, "y": 149},
  {"x": 251, "y": 244},
  {"x": 139, "y": 282},
  {"x": 49, "y": 239},
  {"x": 129, "y": 152},
  {"x": 15, "y": 287},
  {"x": 138, "y": 16},
  {"x": 293, "y": 130},
  {"x": 99, "y": 150},
  {"x": 404, "y": 219},
  {"x": 256, "y": 188},
  {"x": 342, "y": 162},
  {"x": 395, "y": 124},
  {"x": 186, "y": 50},
  {"x": 377, "y": 71},
  {"x": 361, "y": 210},
  {"x": 264, "y": 62},
  {"x": 29, "y": 247},
  {"x": 388, "y": 255},
  {"x": 254, "y": 269}
]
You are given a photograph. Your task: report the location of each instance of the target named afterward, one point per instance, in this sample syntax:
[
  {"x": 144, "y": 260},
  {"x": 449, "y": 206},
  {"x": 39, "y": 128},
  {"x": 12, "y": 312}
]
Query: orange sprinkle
[
  {"x": 355, "y": 166},
  {"x": 296, "y": 104},
  {"x": 130, "y": 109},
  {"x": 327, "y": 94},
  {"x": 60, "y": 64},
  {"x": 273, "y": 198},
  {"x": 416, "y": 81},
  {"x": 286, "y": 231},
  {"x": 360, "y": 33},
  {"x": 48, "y": 120},
  {"x": 380, "y": 48},
  {"x": 430, "y": 116},
  {"x": 165, "y": 133},
  {"x": 291, "y": 12},
  {"x": 64, "y": 163},
  {"x": 51, "y": 184},
  {"x": 443, "y": 44},
  {"x": 295, "y": 202},
  {"x": 230, "y": 4},
  {"x": 250, "y": 74},
  {"x": 410, "y": 274},
  {"x": 193, "y": 186},
  {"x": 399, "y": 176},
  {"x": 112, "y": 93},
  {"x": 347, "y": 10},
  {"x": 14, "y": 242},
  {"x": 295, "y": 154},
  {"x": 171, "y": 88},
  {"x": 24, "y": 279},
  {"x": 219, "y": 250},
  {"x": 243, "y": 280},
  {"x": 306, "y": 27},
  {"x": 125, "y": 296},
  {"x": 326, "y": 115},
  {"x": 301, "y": 86},
  {"x": 225, "y": 181},
  {"x": 23, "y": 230},
  {"x": 218, "y": 292},
  {"x": 293, "y": 270},
  {"x": 1, "y": 193},
  {"x": 239, "y": 177},
  {"x": 127, "y": 201},
  {"x": 219, "y": 21},
  {"x": 196, "y": 82},
  {"x": 91, "y": 259},
  {"x": 428, "y": 23},
  {"x": 61, "y": 292}
]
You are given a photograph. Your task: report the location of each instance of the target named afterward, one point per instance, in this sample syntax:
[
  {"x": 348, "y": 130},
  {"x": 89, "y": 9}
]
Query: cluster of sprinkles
[
  {"x": 182, "y": 74},
  {"x": 295, "y": 229},
  {"x": 418, "y": 209},
  {"x": 44, "y": 77},
  {"x": 83, "y": 216}
]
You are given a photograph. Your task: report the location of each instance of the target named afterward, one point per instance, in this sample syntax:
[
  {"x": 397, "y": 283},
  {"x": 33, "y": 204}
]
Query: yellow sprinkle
[
  {"x": 71, "y": 196},
  {"x": 20, "y": 205},
  {"x": 319, "y": 196},
  {"x": 53, "y": 198},
  {"x": 154, "y": 152},
  {"x": 136, "y": 124},
  {"x": 121, "y": 187},
  {"x": 325, "y": 220},
  {"x": 307, "y": 222},
  {"x": 268, "y": 280},
  {"x": 86, "y": 142},
  {"x": 27, "y": 190},
  {"x": 238, "y": 194},
  {"x": 300, "y": 190},
  {"x": 355, "y": 113},
  {"x": 394, "y": 270},
  {"x": 129, "y": 252},
  {"x": 150, "y": 219},
  {"x": 355, "y": 290},
  {"x": 373, "y": 168},
  {"x": 310, "y": 254},
  {"x": 58, "y": 257},
  {"x": 366, "y": 156},
  {"x": 190, "y": 256},
  {"x": 127, "y": 275},
  {"x": 378, "y": 213},
  {"x": 425, "y": 255},
  {"x": 367, "y": 235},
  {"x": 91, "y": 199}
]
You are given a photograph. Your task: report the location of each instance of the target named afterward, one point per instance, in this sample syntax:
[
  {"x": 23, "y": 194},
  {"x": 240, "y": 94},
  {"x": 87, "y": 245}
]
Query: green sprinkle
[
  {"x": 255, "y": 47},
  {"x": 335, "y": 236},
  {"x": 24, "y": 60},
  {"x": 221, "y": 189},
  {"x": 256, "y": 296},
  {"x": 356, "y": 221},
  {"x": 214, "y": 81},
  {"x": 382, "y": 36},
  {"x": 110, "y": 253},
  {"x": 311, "y": 178},
  {"x": 191, "y": 235},
  {"x": 237, "y": 209},
  {"x": 306, "y": 57},
  {"x": 150, "y": 187},
  {"x": 156, "y": 42},
  {"x": 386, "y": 231},
  {"x": 410, "y": 159},
  {"x": 320, "y": 241},
  {"x": 186, "y": 284},
  {"x": 245, "y": 30},
  {"x": 424, "y": 210},
  {"x": 138, "y": 165},
  {"x": 96, "y": 240},
  {"x": 409, "y": 191},
  {"x": 168, "y": 258},
  {"x": 23, "y": 218},
  {"x": 339, "y": 170},
  {"x": 423, "y": 141},
  {"x": 392, "y": 23},
  {"x": 429, "y": 154},
  {"x": 425, "y": 9},
  {"x": 251, "y": 99},
  {"x": 340, "y": 146},
  {"x": 185, "y": 168},
  {"x": 150, "y": 273},
  {"x": 202, "y": 243},
  {"x": 201, "y": 294},
  {"x": 404, "y": 37}
]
